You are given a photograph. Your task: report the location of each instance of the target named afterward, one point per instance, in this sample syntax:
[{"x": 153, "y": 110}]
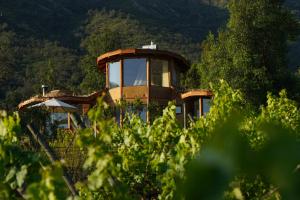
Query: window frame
[
  {"x": 169, "y": 84},
  {"x": 108, "y": 73},
  {"x": 123, "y": 70}
]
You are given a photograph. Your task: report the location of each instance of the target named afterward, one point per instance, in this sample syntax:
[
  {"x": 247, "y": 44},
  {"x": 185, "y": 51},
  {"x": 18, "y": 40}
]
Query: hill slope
[
  {"x": 60, "y": 19},
  {"x": 48, "y": 30}
]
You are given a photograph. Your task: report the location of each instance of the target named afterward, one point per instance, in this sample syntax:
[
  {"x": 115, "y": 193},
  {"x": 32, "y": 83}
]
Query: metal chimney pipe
[{"x": 44, "y": 88}]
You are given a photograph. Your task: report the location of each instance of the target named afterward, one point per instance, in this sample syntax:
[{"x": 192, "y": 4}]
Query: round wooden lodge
[
  {"x": 147, "y": 75},
  {"x": 152, "y": 76}
]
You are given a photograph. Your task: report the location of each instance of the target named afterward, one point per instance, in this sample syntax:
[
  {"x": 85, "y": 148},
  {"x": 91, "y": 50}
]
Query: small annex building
[{"x": 82, "y": 102}]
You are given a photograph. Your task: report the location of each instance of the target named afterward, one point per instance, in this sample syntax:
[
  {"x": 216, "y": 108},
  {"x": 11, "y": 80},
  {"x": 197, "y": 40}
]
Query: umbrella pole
[{"x": 52, "y": 120}]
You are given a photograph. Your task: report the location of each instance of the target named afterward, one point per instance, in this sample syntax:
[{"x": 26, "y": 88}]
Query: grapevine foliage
[
  {"x": 235, "y": 152},
  {"x": 22, "y": 176}
]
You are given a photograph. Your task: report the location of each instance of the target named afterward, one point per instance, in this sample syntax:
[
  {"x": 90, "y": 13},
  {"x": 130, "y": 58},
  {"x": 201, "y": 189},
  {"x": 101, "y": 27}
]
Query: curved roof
[
  {"x": 65, "y": 96},
  {"x": 58, "y": 93},
  {"x": 120, "y": 53},
  {"x": 197, "y": 93}
]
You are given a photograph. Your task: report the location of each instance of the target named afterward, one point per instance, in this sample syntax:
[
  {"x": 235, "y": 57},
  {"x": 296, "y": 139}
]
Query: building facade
[
  {"x": 153, "y": 77},
  {"x": 149, "y": 76}
]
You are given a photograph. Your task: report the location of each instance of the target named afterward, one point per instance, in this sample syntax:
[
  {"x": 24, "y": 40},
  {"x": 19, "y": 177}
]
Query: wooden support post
[
  {"x": 69, "y": 121},
  {"x": 184, "y": 115},
  {"x": 77, "y": 122},
  {"x": 107, "y": 75},
  {"x": 169, "y": 73},
  {"x": 121, "y": 77},
  {"x": 121, "y": 90},
  {"x": 53, "y": 159},
  {"x": 200, "y": 107},
  {"x": 121, "y": 116},
  {"x": 148, "y": 88}
]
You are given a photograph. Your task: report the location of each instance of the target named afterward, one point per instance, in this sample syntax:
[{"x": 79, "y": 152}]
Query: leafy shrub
[{"x": 234, "y": 152}]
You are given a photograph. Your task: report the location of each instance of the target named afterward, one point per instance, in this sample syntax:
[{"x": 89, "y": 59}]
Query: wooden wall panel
[
  {"x": 115, "y": 94},
  {"x": 161, "y": 93},
  {"x": 135, "y": 92}
]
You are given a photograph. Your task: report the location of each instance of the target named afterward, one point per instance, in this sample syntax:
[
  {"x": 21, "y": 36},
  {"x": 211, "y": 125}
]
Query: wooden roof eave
[
  {"x": 68, "y": 99},
  {"x": 120, "y": 53},
  {"x": 196, "y": 93}
]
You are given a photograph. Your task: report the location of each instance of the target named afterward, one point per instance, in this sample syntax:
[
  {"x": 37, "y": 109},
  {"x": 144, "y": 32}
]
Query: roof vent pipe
[
  {"x": 44, "y": 88},
  {"x": 151, "y": 46}
]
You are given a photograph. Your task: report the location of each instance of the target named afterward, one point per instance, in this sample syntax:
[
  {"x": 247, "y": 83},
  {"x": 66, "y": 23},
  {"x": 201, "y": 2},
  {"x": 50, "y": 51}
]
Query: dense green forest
[
  {"x": 47, "y": 38},
  {"x": 56, "y": 42}
]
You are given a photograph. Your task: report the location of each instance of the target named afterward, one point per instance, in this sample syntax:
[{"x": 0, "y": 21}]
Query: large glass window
[
  {"x": 117, "y": 115},
  {"x": 159, "y": 73},
  {"x": 196, "y": 109},
  {"x": 135, "y": 72},
  {"x": 60, "y": 120},
  {"x": 206, "y": 105},
  {"x": 178, "y": 109},
  {"x": 114, "y": 74},
  {"x": 141, "y": 111},
  {"x": 143, "y": 114},
  {"x": 174, "y": 76}
]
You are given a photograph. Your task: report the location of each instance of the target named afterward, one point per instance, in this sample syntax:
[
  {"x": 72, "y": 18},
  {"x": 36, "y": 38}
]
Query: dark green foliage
[
  {"x": 192, "y": 78},
  {"x": 63, "y": 17},
  {"x": 29, "y": 63},
  {"x": 7, "y": 39},
  {"x": 251, "y": 52},
  {"x": 233, "y": 153},
  {"x": 21, "y": 172},
  {"x": 8, "y": 64},
  {"x": 51, "y": 64}
]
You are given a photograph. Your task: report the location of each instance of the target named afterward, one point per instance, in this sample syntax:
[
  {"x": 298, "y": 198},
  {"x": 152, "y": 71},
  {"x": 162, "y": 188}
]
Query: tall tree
[
  {"x": 251, "y": 51},
  {"x": 9, "y": 76},
  {"x": 26, "y": 64},
  {"x": 51, "y": 64}
]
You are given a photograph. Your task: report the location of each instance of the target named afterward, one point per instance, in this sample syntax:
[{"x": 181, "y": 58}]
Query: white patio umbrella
[{"x": 55, "y": 105}]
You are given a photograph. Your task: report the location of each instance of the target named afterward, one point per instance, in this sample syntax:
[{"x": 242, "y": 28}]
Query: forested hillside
[
  {"x": 247, "y": 144},
  {"x": 59, "y": 20},
  {"x": 56, "y": 42}
]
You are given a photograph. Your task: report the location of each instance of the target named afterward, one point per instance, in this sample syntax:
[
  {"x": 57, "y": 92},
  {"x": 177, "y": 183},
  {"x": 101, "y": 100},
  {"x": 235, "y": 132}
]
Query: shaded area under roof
[{"x": 61, "y": 95}]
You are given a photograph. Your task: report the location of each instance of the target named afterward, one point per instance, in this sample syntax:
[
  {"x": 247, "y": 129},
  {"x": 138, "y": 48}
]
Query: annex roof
[
  {"x": 197, "y": 93},
  {"x": 61, "y": 95}
]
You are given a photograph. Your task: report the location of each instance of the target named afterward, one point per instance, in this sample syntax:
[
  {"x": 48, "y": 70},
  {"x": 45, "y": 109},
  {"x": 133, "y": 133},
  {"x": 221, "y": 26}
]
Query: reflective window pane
[
  {"x": 60, "y": 120},
  {"x": 141, "y": 111},
  {"x": 135, "y": 72},
  {"x": 143, "y": 114},
  {"x": 117, "y": 115},
  {"x": 174, "y": 76},
  {"x": 206, "y": 105},
  {"x": 196, "y": 109},
  {"x": 114, "y": 74},
  {"x": 178, "y": 110},
  {"x": 159, "y": 73}
]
